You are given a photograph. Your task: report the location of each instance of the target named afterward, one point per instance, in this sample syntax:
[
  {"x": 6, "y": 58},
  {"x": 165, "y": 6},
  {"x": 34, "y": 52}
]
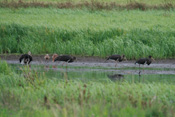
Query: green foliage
[
  {"x": 4, "y": 68},
  {"x": 31, "y": 92},
  {"x": 81, "y": 32},
  {"x": 25, "y": 96}
]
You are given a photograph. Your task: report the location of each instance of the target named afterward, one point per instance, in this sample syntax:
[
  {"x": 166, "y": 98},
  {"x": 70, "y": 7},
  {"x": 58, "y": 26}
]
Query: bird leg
[
  {"x": 143, "y": 68},
  {"x": 27, "y": 63},
  {"x": 139, "y": 70},
  {"x": 139, "y": 73},
  {"x": 63, "y": 64},
  {"x": 116, "y": 63},
  {"x": 66, "y": 66}
]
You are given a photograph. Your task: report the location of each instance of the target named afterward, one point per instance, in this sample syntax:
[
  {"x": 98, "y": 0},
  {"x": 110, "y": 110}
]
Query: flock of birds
[{"x": 27, "y": 58}]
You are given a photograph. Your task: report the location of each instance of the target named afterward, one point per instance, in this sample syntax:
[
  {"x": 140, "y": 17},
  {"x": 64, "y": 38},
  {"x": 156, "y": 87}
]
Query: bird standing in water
[
  {"x": 143, "y": 61},
  {"x": 26, "y": 58},
  {"x": 117, "y": 58}
]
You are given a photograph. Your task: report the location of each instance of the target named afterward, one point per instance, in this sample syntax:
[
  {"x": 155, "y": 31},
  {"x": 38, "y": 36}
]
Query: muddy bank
[
  {"x": 86, "y": 64},
  {"x": 91, "y": 62},
  {"x": 86, "y": 59}
]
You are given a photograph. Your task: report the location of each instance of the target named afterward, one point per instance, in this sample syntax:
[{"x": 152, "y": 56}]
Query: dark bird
[
  {"x": 116, "y": 76},
  {"x": 65, "y": 58},
  {"x": 117, "y": 58},
  {"x": 143, "y": 61},
  {"x": 25, "y": 58}
]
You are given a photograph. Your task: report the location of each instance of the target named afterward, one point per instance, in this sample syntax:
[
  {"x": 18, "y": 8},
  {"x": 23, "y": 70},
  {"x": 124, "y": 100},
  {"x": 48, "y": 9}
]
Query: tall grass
[
  {"x": 4, "y": 68},
  {"x": 91, "y": 33},
  {"x": 32, "y": 94}
]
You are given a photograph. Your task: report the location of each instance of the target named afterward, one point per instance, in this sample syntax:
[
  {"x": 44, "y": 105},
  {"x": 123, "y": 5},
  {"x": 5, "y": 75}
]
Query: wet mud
[{"x": 166, "y": 66}]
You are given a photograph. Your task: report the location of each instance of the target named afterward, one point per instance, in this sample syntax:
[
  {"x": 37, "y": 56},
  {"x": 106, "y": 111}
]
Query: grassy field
[
  {"x": 32, "y": 93},
  {"x": 94, "y": 30},
  {"x": 134, "y": 33}
]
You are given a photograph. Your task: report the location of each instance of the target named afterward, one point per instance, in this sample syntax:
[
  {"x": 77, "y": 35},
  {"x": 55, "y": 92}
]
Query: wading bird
[
  {"x": 47, "y": 57},
  {"x": 143, "y": 61},
  {"x": 54, "y": 57},
  {"x": 25, "y": 58},
  {"x": 117, "y": 58}
]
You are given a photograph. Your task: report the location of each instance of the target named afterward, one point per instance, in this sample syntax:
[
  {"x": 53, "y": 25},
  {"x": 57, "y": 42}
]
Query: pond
[{"x": 101, "y": 73}]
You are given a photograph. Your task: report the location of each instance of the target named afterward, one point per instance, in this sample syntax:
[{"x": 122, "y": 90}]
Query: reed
[{"x": 81, "y": 32}]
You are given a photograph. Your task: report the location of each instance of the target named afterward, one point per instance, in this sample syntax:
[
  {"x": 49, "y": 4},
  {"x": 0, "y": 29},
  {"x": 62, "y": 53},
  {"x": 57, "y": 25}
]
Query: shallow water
[{"x": 102, "y": 74}]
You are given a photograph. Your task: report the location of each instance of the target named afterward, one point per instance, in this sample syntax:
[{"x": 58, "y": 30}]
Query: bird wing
[
  {"x": 141, "y": 61},
  {"x": 148, "y": 62},
  {"x": 30, "y": 58},
  {"x": 57, "y": 58},
  {"x": 114, "y": 57},
  {"x": 65, "y": 58}
]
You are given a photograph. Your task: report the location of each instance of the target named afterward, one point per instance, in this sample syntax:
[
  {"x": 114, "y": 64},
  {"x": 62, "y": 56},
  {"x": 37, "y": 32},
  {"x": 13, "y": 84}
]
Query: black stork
[
  {"x": 143, "y": 61},
  {"x": 65, "y": 58},
  {"x": 117, "y": 58},
  {"x": 26, "y": 58}
]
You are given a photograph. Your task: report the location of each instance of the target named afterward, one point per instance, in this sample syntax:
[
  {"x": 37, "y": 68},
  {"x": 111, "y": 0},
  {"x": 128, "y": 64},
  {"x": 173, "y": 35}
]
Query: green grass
[
  {"x": 33, "y": 94},
  {"x": 82, "y": 32}
]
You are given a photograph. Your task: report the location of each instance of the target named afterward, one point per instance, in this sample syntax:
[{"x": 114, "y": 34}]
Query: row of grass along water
[{"x": 93, "y": 33}]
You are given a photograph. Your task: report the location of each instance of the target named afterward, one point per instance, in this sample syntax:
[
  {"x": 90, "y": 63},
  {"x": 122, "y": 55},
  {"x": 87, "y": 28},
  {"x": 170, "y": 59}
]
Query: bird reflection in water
[
  {"x": 116, "y": 77},
  {"x": 46, "y": 57}
]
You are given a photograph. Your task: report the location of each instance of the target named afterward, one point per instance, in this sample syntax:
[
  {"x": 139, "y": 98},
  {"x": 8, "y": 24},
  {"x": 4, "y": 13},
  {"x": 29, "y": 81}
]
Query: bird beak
[
  {"x": 125, "y": 59},
  {"x": 153, "y": 59}
]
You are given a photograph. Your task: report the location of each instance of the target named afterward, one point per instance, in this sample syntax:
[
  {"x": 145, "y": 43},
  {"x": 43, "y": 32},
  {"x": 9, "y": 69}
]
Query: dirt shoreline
[
  {"x": 89, "y": 59},
  {"x": 164, "y": 66}
]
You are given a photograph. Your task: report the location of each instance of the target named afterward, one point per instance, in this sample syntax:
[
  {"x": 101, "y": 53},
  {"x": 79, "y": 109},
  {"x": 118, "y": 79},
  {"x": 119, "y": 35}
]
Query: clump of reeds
[{"x": 136, "y": 44}]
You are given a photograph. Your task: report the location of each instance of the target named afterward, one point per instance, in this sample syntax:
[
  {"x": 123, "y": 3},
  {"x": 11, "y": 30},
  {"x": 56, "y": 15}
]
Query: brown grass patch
[{"x": 93, "y": 5}]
